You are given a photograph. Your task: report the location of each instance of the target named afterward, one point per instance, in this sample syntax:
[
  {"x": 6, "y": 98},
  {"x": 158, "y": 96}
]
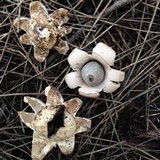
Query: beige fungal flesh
[
  {"x": 43, "y": 30},
  {"x": 92, "y": 72},
  {"x": 54, "y": 123}
]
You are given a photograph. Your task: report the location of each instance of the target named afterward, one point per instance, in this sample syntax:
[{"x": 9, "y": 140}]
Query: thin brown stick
[
  {"x": 112, "y": 8},
  {"x": 116, "y": 6}
]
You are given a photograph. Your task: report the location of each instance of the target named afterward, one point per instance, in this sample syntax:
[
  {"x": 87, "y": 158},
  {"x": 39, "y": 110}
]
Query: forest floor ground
[{"x": 125, "y": 123}]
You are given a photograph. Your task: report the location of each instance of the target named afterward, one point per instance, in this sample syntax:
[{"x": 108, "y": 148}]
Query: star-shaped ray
[
  {"x": 54, "y": 123},
  {"x": 44, "y": 31}
]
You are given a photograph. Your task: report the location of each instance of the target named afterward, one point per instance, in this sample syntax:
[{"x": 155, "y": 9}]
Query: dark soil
[{"x": 126, "y": 123}]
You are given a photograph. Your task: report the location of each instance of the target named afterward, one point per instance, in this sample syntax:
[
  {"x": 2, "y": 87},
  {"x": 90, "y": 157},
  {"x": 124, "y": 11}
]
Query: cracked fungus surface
[
  {"x": 43, "y": 30},
  {"x": 54, "y": 123}
]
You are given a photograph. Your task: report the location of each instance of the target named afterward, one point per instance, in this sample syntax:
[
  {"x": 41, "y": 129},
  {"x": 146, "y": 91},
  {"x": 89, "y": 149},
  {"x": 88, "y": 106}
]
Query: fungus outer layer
[
  {"x": 54, "y": 123},
  {"x": 105, "y": 56},
  {"x": 43, "y": 30}
]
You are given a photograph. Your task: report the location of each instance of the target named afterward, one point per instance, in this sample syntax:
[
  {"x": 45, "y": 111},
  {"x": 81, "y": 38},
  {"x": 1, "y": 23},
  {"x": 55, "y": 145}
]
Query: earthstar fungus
[
  {"x": 53, "y": 123},
  {"x": 93, "y": 72},
  {"x": 43, "y": 30}
]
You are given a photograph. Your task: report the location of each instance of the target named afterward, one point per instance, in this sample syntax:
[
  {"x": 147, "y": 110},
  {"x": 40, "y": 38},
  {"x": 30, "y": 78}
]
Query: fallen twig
[{"x": 112, "y": 8}]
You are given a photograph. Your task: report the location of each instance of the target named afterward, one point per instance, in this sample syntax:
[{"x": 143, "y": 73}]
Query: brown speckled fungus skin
[
  {"x": 54, "y": 123},
  {"x": 43, "y": 30}
]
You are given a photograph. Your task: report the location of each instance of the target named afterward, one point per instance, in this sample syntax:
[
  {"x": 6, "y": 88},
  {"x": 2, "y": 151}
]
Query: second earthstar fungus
[
  {"x": 43, "y": 30},
  {"x": 53, "y": 123},
  {"x": 92, "y": 73}
]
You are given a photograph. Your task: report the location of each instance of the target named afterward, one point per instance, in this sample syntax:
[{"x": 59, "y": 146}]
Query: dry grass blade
[{"x": 126, "y": 123}]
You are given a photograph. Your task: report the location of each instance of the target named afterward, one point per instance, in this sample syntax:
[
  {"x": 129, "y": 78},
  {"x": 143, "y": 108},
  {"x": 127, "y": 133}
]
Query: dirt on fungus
[{"x": 126, "y": 123}]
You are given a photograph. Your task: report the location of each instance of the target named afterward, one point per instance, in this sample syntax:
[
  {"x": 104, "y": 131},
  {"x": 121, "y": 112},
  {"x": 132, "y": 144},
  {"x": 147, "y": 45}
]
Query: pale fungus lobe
[
  {"x": 54, "y": 123},
  {"x": 43, "y": 30},
  {"x": 92, "y": 72}
]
